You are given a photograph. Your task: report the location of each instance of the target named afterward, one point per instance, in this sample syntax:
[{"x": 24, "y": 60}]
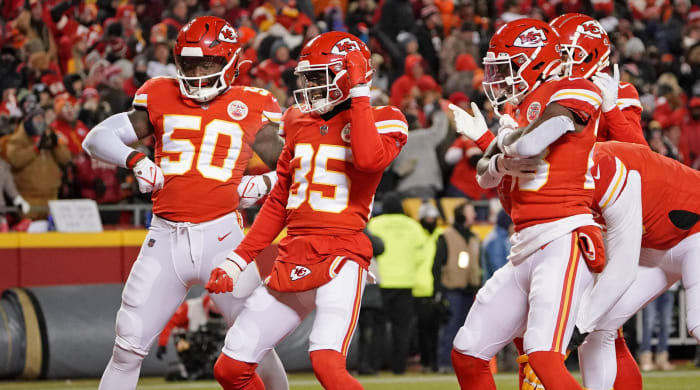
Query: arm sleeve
[
  {"x": 271, "y": 219},
  {"x": 625, "y": 125},
  {"x": 178, "y": 320},
  {"x": 109, "y": 139},
  {"x": 374, "y": 148},
  {"x": 539, "y": 138},
  {"x": 485, "y": 140},
  {"x": 622, "y": 245}
]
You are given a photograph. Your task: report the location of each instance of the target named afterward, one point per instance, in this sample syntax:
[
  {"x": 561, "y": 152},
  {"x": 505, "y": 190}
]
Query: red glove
[
  {"x": 590, "y": 240},
  {"x": 223, "y": 277},
  {"x": 357, "y": 68}
]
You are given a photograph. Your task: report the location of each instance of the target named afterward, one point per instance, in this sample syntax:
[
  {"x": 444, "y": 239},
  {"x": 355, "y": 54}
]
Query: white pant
[
  {"x": 269, "y": 316},
  {"x": 539, "y": 296},
  {"x": 173, "y": 257},
  {"x": 658, "y": 271}
]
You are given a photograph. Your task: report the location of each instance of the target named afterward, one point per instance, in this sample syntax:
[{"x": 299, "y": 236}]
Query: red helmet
[
  {"x": 206, "y": 55},
  {"x": 585, "y": 44},
  {"x": 521, "y": 54},
  {"x": 321, "y": 70}
]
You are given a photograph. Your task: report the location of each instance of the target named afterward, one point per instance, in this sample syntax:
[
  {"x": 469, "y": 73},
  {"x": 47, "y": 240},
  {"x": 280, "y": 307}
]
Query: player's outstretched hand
[
  {"x": 148, "y": 175},
  {"x": 608, "y": 86},
  {"x": 523, "y": 167},
  {"x": 357, "y": 67},
  {"x": 473, "y": 127},
  {"x": 223, "y": 278}
]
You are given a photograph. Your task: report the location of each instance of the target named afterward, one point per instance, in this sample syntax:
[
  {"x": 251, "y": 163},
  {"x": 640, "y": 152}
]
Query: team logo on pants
[{"x": 299, "y": 272}]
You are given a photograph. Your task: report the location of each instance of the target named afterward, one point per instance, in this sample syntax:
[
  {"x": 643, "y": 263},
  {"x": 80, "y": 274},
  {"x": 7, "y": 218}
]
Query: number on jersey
[
  {"x": 316, "y": 163},
  {"x": 187, "y": 152}
]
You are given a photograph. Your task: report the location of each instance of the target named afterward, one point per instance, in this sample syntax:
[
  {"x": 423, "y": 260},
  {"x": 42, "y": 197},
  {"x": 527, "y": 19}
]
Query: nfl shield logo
[
  {"x": 533, "y": 112},
  {"x": 324, "y": 130},
  {"x": 151, "y": 242}
]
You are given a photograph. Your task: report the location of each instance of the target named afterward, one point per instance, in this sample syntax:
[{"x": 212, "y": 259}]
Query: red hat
[
  {"x": 245, "y": 34},
  {"x": 694, "y": 14},
  {"x": 465, "y": 62},
  {"x": 125, "y": 10},
  {"x": 427, "y": 83},
  {"x": 216, "y": 3},
  {"x": 89, "y": 92},
  {"x": 61, "y": 100},
  {"x": 411, "y": 61},
  {"x": 694, "y": 102},
  {"x": 458, "y": 97}
]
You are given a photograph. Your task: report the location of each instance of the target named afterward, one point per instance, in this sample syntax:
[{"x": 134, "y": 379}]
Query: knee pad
[
  {"x": 234, "y": 374},
  {"x": 128, "y": 328},
  {"x": 329, "y": 367},
  {"x": 126, "y": 360}
]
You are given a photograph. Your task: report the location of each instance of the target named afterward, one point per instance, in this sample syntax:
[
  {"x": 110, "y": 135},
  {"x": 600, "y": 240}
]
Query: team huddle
[{"x": 602, "y": 228}]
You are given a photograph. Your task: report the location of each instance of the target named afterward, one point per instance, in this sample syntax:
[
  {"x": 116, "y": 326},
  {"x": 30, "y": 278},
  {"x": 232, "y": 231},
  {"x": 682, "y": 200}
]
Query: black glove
[
  {"x": 576, "y": 339},
  {"x": 48, "y": 140},
  {"x": 161, "y": 351}
]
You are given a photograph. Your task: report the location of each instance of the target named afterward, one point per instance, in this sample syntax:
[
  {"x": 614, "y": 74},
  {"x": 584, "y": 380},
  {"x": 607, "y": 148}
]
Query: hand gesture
[
  {"x": 148, "y": 175},
  {"x": 608, "y": 87},
  {"x": 473, "y": 127}
]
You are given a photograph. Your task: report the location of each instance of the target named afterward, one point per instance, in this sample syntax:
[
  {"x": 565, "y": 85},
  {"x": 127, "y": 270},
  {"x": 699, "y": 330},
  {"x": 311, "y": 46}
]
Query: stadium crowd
[{"x": 67, "y": 65}]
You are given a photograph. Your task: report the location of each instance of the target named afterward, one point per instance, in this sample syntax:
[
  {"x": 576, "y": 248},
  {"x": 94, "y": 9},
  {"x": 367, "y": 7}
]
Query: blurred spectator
[
  {"x": 457, "y": 276},
  {"x": 428, "y": 31},
  {"x": 176, "y": 15},
  {"x": 496, "y": 246},
  {"x": 270, "y": 70},
  {"x": 8, "y": 190},
  {"x": 659, "y": 143},
  {"x": 659, "y": 310},
  {"x": 92, "y": 110},
  {"x": 371, "y": 324},
  {"x": 70, "y": 130},
  {"x": 403, "y": 87},
  {"x": 160, "y": 63},
  {"x": 428, "y": 312},
  {"x": 133, "y": 83},
  {"x": 359, "y": 17},
  {"x": 690, "y": 133},
  {"x": 394, "y": 16},
  {"x": 463, "y": 41},
  {"x": 112, "y": 89},
  {"x": 404, "y": 242},
  {"x": 417, "y": 165},
  {"x": 36, "y": 157}
]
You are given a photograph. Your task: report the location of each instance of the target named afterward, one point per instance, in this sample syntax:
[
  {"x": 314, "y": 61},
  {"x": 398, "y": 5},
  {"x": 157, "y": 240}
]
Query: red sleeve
[
  {"x": 485, "y": 140},
  {"x": 375, "y": 141},
  {"x": 625, "y": 126},
  {"x": 178, "y": 320},
  {"x": 271, "y": 219},
  {"x": 580, "y": 96}
]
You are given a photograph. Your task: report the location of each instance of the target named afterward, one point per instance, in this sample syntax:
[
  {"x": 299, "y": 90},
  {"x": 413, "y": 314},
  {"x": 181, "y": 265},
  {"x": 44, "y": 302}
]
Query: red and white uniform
[
  {"x": 665, "y": 192},
  {"x": 328, "y": 173},
  {"x": 203, "y": 152},
  {"x": 623, "y": 123},
  {"x": 546, "y": 277}
]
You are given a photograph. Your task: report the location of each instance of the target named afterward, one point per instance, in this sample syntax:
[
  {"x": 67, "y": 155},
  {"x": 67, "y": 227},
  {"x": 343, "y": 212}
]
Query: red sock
[
  {"x": 472, "y": 373},
  {"x": 329, "y": 367},
  {"x": 236, "y": 375},
  {"x": 549, "y": 367},
  {"x": 518, "y": 341},
  {"x": 628, "y": 375}
]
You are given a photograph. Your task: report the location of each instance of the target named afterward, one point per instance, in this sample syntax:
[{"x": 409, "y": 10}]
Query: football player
[
  {"x": 206, "y": 131},
  {"x": 545, "y": 279},
  {"x": 336, "y": 148}
]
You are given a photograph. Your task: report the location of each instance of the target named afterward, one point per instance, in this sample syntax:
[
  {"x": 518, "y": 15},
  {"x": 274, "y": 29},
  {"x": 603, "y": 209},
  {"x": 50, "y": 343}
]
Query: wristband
[{"x": 131, "y": 162}]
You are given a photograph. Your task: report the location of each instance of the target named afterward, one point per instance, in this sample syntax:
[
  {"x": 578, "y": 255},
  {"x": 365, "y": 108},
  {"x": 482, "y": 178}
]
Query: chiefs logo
[
  {"x": 228, "y": 34},
  {"x": 237, "y": 110},
  {"x": 531, "y": 38},
  {"x": 299, "y": 272},
  {"x": 591, "y": 28},
  {"x": 345, "y": 133},
  {"x": 533, "y": 111},
  {"x": 344, "y": 45}
]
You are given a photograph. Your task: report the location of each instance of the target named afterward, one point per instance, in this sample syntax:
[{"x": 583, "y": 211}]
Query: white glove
[
  {"x": 523, "y": 167},
  {"x": 507, "y": 121},
  {"x": 148, "y": 175},
  {"x": 22, "y": 204},
  {"x": 473, "y": 127},
  {"x": 254, "y": 188},
  {"x": 608, "y": 87}
]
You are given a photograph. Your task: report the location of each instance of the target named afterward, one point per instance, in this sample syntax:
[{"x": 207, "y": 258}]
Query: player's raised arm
[{"x": 109, "y": 141}]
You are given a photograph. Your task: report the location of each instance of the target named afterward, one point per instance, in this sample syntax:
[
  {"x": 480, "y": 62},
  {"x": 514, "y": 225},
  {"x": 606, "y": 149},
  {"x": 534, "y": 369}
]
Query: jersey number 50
[
  {"x": 187, "y": 150},
  {"x": 318, "y": 163}
]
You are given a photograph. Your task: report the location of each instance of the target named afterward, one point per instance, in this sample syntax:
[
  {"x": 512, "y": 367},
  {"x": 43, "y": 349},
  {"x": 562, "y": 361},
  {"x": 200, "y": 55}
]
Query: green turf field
[{"x": 685, "y": 379}]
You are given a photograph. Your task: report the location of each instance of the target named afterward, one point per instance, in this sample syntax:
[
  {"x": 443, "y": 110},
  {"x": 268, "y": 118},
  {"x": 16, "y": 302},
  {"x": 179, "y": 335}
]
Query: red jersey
[
  {"x": 623, "y": 123},
  {"x": 203, "y": 149},
  {"x": 464, "y": 174},
  {"x": 668, "y": 187},
  {"x": 328, "y": 174},
  {"x": 563, "y": 185},
  {"x": 72, "y": 135}
]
